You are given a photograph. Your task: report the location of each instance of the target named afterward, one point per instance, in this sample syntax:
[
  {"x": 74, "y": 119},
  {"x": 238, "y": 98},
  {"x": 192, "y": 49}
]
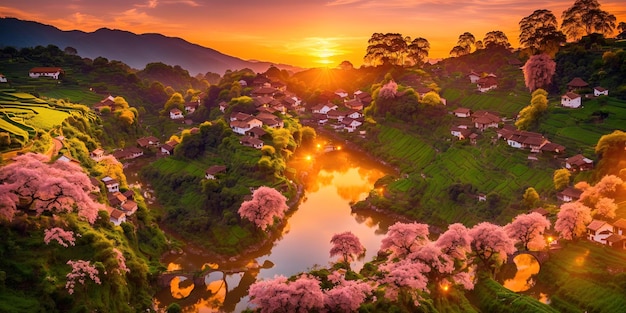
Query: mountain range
[{"x": 136, "y": 50}]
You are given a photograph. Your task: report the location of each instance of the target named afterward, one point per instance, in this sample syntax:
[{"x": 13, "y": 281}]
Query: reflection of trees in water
[{"x": 527, "y": 267}]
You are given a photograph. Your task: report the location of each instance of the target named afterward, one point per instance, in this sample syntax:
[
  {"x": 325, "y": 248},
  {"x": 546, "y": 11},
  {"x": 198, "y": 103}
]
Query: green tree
[
  {"x": 561, "y": 179},
  {"x": 531, "y": 198},
  {"x": 585, "y": 17},
  {"x": 176, "y": 100},
  {"x": 496, "y": 38},
  {"x": 431, "y": 98},
  {"x": 539, "y": 33}
]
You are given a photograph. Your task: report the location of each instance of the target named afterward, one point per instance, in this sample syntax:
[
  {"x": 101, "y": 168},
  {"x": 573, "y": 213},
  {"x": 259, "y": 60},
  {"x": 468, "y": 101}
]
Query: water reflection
[
  {"x": 332, "y": 181},
  {"x": 527, "y": 267}
]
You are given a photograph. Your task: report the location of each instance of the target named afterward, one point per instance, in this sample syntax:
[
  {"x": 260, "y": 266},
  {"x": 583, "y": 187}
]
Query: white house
[
  {"x": 462, "y": 112},
  {"x": 487, "y": 83},
  {"x": 599, "y": 230},
  {"x": 473, "y": 77},
  {"x": 241, "y": 127},
  {"x": 599, "y": 91},
  {"x": 350, "y": 125},
  {"x": 97, "y": 154},
  {"x": 116, "y": 216},
  {"x": 111, "y": 184},
  {"x": 168, "y": 147},
  {"x": 323, "y": 108},
  {"x": 3, "y": 79},
  {"x": 213, "y": 170},
  {"x": 341, "y": 93},
  {"x": 569, "y": 194},
  {"x": 571, "y": 100},
  {"x": 52, "y": 72},
  {"x": 176, "y": 114},
  {"x": 354, "y": 114},
  {"x": 248, "y": 141}
]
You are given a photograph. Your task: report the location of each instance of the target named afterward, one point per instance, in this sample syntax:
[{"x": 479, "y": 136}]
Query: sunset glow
[{"x": 304, "y": 33}]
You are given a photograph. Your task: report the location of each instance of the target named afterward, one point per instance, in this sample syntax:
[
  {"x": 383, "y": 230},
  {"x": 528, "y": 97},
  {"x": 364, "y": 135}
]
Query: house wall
[
  {"x": 598, "y": 237},
  {"x": 570, "y": 103}
]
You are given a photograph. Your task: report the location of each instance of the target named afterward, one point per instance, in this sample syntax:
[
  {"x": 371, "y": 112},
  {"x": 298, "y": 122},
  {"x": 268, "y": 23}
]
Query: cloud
[{"x": 17, "y": 13}]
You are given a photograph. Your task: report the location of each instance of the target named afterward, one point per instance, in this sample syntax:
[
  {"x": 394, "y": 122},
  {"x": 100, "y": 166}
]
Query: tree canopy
[{"x": 585, "y": 17}]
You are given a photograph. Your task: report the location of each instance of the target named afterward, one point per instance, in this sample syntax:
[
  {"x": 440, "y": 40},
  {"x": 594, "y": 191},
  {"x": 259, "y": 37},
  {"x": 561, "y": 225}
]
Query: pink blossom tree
[
  {"x": 30, "y": 184},
  {"x": 572, "y": 219},
  {"x": 121, "y": 262},
  {"x": 81, "y": 271},
  {"x": 490, "y": 245},
  {"x": 605, "y": 208},
  {"x": 404, "y": 238},
  {"x": 61, "y": 236},
  {"x": 455, "y": 241},
  {"x": 346, "y": 295},
  {"x": 609, "y": 186},
  {"x": 280, "y": 295},
  {"x": 404, "y": 277},
  {"x": 266, "y": 204},
  {"x": 538, "y": 71},
  {"x": 346, "y": 245},
  {"x": 388, "y": 90},
  {"x": 528, "y": 229}
]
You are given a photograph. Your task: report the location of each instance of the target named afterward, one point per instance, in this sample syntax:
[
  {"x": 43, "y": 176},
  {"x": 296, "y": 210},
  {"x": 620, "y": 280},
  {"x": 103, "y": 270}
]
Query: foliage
[
  {"x": 266, "y": 205},
  {"x": 528, "y": 230},
  {"x": 530, "y": 198},
  {"x": 539, "y": 33},
  {"x": 491, "y": 245},
  {"x": 496, "y": 38},
  {"x": 81, "y": 270},
  {"x": 572, "y": 220},
  {"x": 585, "y": 17},
  {"x": 561, "y": 178},
  {"x": 280, "y": 295},
  {"x": 403, "y": 239},
  {"x": 346, "y": 245},
  {"x": 538, "y": 71},
  {"x": 60, "y": 235},
  {"x": 394, "y": 49}
]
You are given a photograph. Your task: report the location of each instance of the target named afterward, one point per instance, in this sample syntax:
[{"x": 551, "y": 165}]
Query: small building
[
  {"x": 248, "y": 141},
  {"x": 97, "y": 154},
  {"x": 341, "y": 93},
  {"x": 578, "y": 163},
  {"x": 569, "y": 194},
  {"x": 323, "y": 108},
  {"x": 350, "y": 125},
  {"x": 487, "y": 83},
  {"x": 571, "y": 100},
  {"x": 116, "y": 216},
  {"x": 600, "y": 91},
  {"x": 192, "y": 106},
  {"x": 111, "y": 184},
  {"x": 129, "y": 207},
  {"x": 176, "y": 114},
  {"x": 128, "y": 153},
  {"x": 52, "y": 72},
  {"x": 95, "y": 183},
  {"x": 168, "y": 147},
  {"x": 213, "y": 170},
  {"x": 576, "y": 83},
  {"x": 106, "y": 103},
  {"x": 483, "y": 120},
  {"x": 462, "y": 112},
  {"x": 460, "y": 132},
  {"x": 353, "y": 104},
  {"x": 147, "y": 142},
  {"x": 473, "y": 77},
  {"x": 3, "y": 78},
  {"x": 256, "y": 132},
  {"x": 599, "y": 231},
  {"x": 336, "y": 115},
  {"x": 116, "y": 199}
]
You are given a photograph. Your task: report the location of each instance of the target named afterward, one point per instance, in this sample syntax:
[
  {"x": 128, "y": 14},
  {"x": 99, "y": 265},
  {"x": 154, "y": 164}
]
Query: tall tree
[
  {"x": 404, "y": 277},
  {"x": 585, "y": 17},
  {"x": 346, "y": 295},
  {"x": 266, "y": 204},
  {"x": 528, "y": 229},
  {"x": 538, "y": 71},
  {"x": 404, "y": 238},
  {"x": 346, "y": 245},
  {"x": 466, "y": 40},
  {"x": 418, "y": 51},
  {"x": 389, "y": 48},
  {"x": 561, "y": 178},
  {"x": 621, "y": 27},
  {"x": 572, "y": 219},
  {"x": 539, "y": 33},
  {"x": 280, "y": 295},
  {"x": 458, "y": 51},
  {"x": 496, "y": 38},
  {"x": 530, "y": 198},
  {"x": 491, "y": 245}
]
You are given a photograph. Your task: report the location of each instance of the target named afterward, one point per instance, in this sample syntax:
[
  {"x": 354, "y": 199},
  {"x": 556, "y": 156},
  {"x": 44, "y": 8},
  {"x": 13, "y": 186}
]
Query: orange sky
[{"x": 309, "y": 33}]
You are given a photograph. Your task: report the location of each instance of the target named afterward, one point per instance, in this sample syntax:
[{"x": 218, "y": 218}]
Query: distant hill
[{"x": 130, "y": 48}]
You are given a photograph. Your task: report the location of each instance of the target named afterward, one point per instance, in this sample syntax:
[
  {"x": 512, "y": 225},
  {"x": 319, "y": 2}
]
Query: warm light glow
[
  {"x": 173, "y": 267},
  {"x": 319, "y": 145},
  {"x": 308, "y": 157},
  {"x": 338, "y": 147},
  {"x": 181, "y": 287}
]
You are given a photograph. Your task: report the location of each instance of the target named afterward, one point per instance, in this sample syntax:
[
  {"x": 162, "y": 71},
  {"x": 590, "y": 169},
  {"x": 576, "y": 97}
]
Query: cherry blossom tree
[
  {"x": 605, "y": 208},
  {"x": 404, "y": 238},
  {"x": 280, "y": 295},
  {"x": 538, "y": 71},
  {"x": 121, "y": 262},
  {"x": 31, "y": 184},
  {"x": 490, "y": 245},
  {"x": 404, "y": 276},
  {"x": 572, "y": 220},
  {"x": 266, "y": 204},
  {"x": 389, "y": 90},
  {"x": 607, "y": 187},
  {"x": 528, "y": 229},
  {"x": 60, "y": 235},
  {"x": 81, "y": 270},
  {"x": 346, "y": 295},
  {"x": 455, "y": 241},
  {"x": 346, "y": 245}
]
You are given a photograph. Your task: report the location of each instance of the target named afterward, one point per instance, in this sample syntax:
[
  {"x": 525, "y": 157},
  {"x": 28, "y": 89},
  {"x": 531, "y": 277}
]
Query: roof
[
  {"x": 176, "y": 111},
  {"x": 116, "y": 214},
  {"x": 573, "y": 193},
  {"x": 620, "y": 223},
  {"x": 215, "y": 169},
  {"x": 45, "y": 70},
  {"x": 595, "y": 225},
  {"x": 571, "y": 95},
  {"x": 462, "y": 111},
  {"x": 600, "y": 89},
  {"x": 258, "y": 131},
  {"x": 487, "y": 81},
  {"x": 250, "y": 140},
  {"x": 614, "y": 238},
  {"x": 577, "y": 82},
  {"x": 553, "y": 147},
  {"x": 578, "y": 159}
]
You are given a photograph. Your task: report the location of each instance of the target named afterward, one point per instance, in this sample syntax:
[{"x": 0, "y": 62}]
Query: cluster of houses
[
  {"x": 573, "y": 100},
  {"x": 37, "y": 72},
  {"x": 348, "y": 117},
  {"x": 483, "y": 83},
  {"x": 121, "y": 205},
  {"x": 189, "y": 107}
]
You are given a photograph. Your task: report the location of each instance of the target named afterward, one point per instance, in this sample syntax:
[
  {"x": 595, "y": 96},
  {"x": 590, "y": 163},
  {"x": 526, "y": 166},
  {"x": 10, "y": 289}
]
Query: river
[{"x": 332, "y": 182}]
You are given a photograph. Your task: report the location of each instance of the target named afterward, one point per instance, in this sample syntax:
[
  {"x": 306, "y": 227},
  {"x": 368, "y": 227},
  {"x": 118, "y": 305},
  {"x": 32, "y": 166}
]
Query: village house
[
  {"x": 363, "y": 97},
  {"x": 248, "y": 141},
  {"x": 3, "y": 79},
  {"x": 350, "y": 125},
  {"x": 263, "y": 92},
  {"x": 618, "y": 238},
  {"x": 168, "y": 147},
  {"x": 569, "y": 194},
  {"x": 116, "y": 199},
  {"x": 353, "y": 104},
  {"x": 256, "y": 132},
  {"x": 551, "y": 147},
  {"x": 524, "y": 139},
  {"x": 576, "y": 83},
  {"x": 483, "y": 120},
  {"x": 192, "y": 106},
  {"x": 599, "y": 231},
  {"x": 487, "y": 83},
  {"x": 95, "y": 183},
  {"x": 320, "y": 118},
  {"x": 578, "y": 163},
  {"x": 341, "y": 93},
  {"x": 116, "y": 216},
  {"x": 460, "y": 132},
  {"x": 67, "y": 159},
  {"x": 111, "y": 184},
  {"x": 323, "y": 108},
  {"x": 129, "y": 207},
  {"x": 269, "y": 120},
  {"x": 240, "y": 123},
  {"x": 97, "y": 154},
  {"x": 52, "y": 72},
  {"x": 147, "y": 142},
  {"x": 600, "y": 91},
  {"x": 176, "y": 114},
  {"x": 571, "y": 100},
  {"x": 336, "y": 115},
  {"x": 108, "y": 102},
  {"x": 223, "y": 105},
  {"x": 128, "y": 153},
  {"x": 353, "y": 114},
  {"x": 473, "y": 77},
  {"x": 462, "y": 112},
  {"x": 213, "y": 170}
]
